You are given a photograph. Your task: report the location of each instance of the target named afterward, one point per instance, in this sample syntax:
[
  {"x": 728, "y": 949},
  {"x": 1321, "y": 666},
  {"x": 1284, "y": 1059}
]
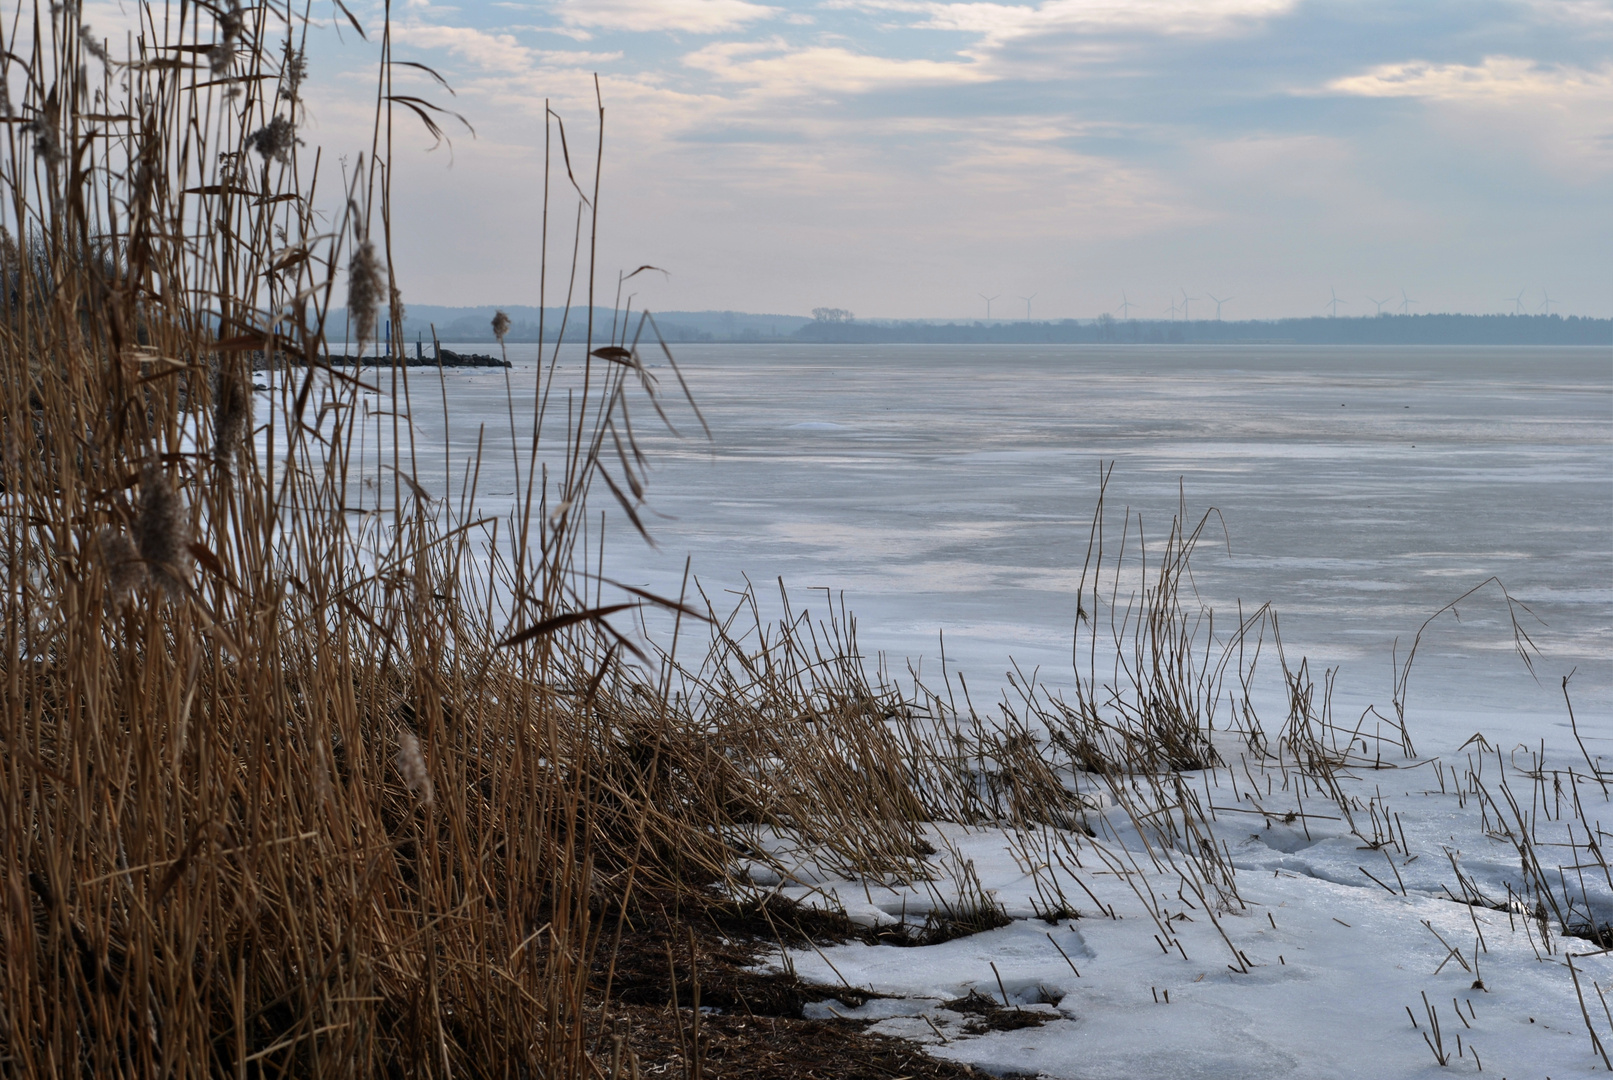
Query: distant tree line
[
  {"x": 829, "y": 324},
  {"x": 832, "y": 315},
  {"x": 1366, "y": 330},
  {"x": 474, "y": 324}
]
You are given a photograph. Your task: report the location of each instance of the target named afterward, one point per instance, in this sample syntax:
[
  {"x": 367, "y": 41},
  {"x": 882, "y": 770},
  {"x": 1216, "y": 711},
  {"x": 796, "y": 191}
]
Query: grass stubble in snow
[{"x": 1170, "y": 889}]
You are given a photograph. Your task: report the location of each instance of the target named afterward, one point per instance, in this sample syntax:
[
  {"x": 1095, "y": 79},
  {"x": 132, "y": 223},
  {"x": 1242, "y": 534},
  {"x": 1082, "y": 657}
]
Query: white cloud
[
  {"x": 495, "y": 52},
  {"x": 1499, "y": 79},
  {"x": 1555, "y": 117},
  {"x": 774, "y": 69},
  {"x": 691, "y": 16},
  {"x": 934, "y": 140},
  {"x": 491, "y": 52},
  {"x": 998, "y": 22}
]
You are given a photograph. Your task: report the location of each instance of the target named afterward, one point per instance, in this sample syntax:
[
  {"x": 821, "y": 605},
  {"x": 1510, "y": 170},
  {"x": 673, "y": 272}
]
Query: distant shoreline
[
  {"x": 1371, "y": 330},
  {"x": 740, "y": 328}
]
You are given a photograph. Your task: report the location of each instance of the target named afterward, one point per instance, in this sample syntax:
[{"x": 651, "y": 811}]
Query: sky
[{"x": 906, "y": 158}]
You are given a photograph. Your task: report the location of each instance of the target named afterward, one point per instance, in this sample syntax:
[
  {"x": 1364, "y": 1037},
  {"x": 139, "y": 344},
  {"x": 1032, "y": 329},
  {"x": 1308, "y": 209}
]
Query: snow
[{"x": 1334, "y": 960}]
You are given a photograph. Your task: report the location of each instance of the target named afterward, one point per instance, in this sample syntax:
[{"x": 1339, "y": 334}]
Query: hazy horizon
[{"x": 520, "y": 310}]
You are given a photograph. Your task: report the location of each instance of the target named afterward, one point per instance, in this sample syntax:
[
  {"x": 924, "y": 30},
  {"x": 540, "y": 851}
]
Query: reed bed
[{"x": 301, "y": 776}]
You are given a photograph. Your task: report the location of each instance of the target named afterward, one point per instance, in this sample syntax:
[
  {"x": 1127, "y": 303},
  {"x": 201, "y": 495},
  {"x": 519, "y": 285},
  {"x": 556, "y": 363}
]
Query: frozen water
[{"x": 1360, "y": 489}]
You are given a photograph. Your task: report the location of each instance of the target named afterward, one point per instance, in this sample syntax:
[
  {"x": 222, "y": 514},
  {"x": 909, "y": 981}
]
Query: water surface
[{"x": 952, "y": 488}]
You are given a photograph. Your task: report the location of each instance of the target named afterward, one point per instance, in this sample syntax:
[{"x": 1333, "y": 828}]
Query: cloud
[
  {"x": 1553, "y": 117},
  {"x": 495, "y": 52},
  {"x": 690, "y": 16},
  {"x": 1583, "y": 13},
  {"x": 1499, "y": 79},
  {"x": 491, "y": 52},
  {"x": 997, "y": 23},
  {"x": 774, "y": 69}
]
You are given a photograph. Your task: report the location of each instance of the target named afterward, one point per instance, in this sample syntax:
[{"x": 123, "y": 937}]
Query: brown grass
[{"x": 287, "y": 788}]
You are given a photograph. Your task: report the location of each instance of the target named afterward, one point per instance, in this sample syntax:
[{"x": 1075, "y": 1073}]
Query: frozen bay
[{"x": 952, "y": 489}]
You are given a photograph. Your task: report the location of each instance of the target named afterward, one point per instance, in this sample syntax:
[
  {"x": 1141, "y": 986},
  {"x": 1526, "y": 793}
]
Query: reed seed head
[
  {"x": 322, "y": 786},
  {"x": 125, "y": 572},
  {"x": 45, "y": 144},
  {"x": 275, "y": 139},
  {"x": 501, "y": 326},
  {"x": 43, "y": 128},
  {"x": 293, "y": 70},
  {"x": 412, "y": 764},
  {"x": 92, "y": 44},
  {"x": 364, "y": 288},
  {"x": 232, "y": 168},
  {"x": 230, "y": 22},
  {"x": 232, "y": 412},
  {"x": 161, "y": 533}
]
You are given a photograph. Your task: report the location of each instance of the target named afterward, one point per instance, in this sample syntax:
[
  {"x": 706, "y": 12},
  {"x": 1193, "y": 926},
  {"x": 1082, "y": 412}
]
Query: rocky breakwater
[{"x": 447, "y": 358}]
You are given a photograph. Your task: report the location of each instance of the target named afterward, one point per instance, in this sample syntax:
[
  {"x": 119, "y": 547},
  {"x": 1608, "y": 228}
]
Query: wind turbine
[
  {"x": 1546, "y": 301},
  {"x": 1125, "y": 306},
  {"x": 1187, "y": 302},
  {"x": 988, "y": 300},
  {"x": 1218, "y": 302},
  {"x": 1405, "y": 301},
  {"x": 1028, "y": 300},
  {"x": 1174, "y": 309},
  {"x": 1516, "y": 302},
  {"x": 1380, "y": 304},
  {"x": 1334, "y": 303}
]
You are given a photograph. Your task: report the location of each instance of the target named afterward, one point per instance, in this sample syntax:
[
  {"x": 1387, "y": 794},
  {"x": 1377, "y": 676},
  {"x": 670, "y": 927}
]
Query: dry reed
[{"x": 288, "y": 787}]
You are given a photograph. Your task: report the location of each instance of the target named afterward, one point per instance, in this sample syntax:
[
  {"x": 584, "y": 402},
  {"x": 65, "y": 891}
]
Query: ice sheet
[{"x": 952, "y": 488}]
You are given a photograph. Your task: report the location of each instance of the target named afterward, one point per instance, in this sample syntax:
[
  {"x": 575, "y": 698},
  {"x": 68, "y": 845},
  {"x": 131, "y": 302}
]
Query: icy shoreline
[
  {"x": 1335, "y": 940},
  {"x": 964, "y": 510}
]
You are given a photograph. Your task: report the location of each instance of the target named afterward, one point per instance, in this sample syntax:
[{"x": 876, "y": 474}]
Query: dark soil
[
  {"x": 990, "y": 1016},
  {"x": 675, "y": 953},
  {"x": 653, "y": 962},
  {"x": 769, "y": 1047}
]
